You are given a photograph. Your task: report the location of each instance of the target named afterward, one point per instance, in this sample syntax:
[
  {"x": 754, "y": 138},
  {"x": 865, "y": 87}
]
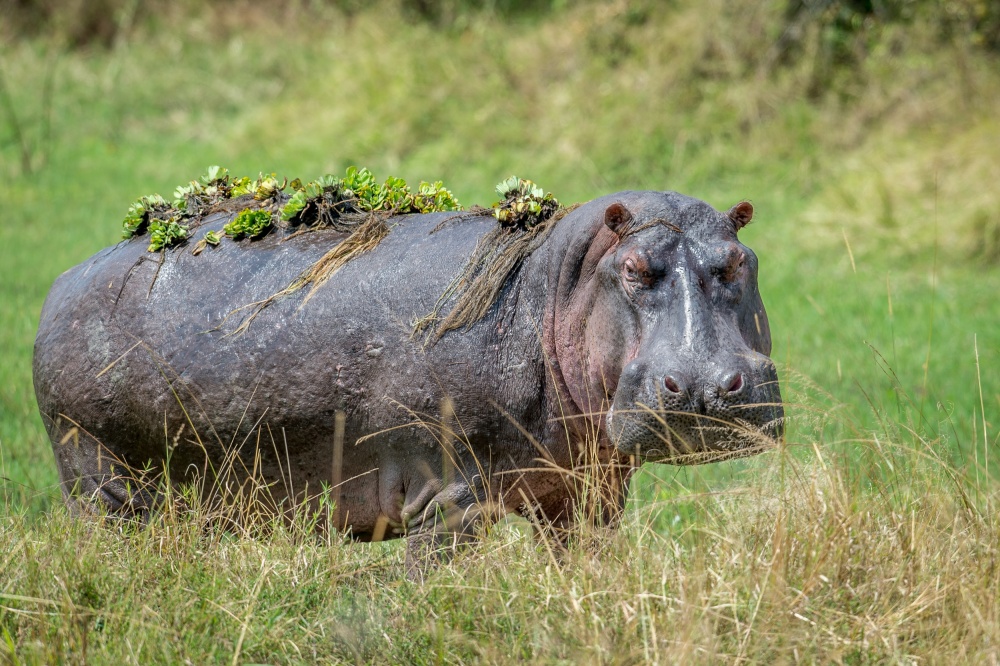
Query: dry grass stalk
[
  {"x": 364, "y": 238},
  {"x": 496, "y": 257}
]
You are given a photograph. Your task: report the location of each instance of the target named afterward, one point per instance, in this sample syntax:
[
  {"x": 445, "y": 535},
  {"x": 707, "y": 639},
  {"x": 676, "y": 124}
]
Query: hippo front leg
[
  {"x": 592, "y": 494},
  {"x": 436, "y": 541},
  {"x": 437, "y": 521}
]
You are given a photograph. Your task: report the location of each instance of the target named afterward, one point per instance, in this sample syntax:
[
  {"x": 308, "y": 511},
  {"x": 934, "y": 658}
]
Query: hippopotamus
[{"x": 634, "y": 332}]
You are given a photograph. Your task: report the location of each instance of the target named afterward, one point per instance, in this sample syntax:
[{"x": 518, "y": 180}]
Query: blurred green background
[{"x": 865, "y": 133}]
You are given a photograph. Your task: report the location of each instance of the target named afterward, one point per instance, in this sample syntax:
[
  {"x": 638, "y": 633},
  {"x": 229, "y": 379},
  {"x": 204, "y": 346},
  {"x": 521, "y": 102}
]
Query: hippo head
[{"x": 672, "y": 337}]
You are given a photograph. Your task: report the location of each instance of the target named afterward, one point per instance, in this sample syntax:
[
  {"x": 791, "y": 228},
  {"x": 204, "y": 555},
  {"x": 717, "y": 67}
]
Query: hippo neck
[{"x": 574, "y": 250}]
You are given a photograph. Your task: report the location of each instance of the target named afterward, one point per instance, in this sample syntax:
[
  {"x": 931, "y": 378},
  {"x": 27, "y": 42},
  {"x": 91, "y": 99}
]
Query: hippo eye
[
  {"x": 731, "y": 270},
  {"x": 631, "y": 272},
  {"x": 735, "y": 266}
]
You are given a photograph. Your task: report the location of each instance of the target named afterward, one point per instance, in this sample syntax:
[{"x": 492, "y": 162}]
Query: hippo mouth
[{"x": 682, "y": 437}]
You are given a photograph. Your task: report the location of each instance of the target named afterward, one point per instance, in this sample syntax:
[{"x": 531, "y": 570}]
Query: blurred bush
[
  {"x": 95, "y": 23},
  {"x": 78, "y": 23},
  {"x": 843, "y": 29},
  {"x": 842, "y": 34},
  {"x": 979, "y": 20}
]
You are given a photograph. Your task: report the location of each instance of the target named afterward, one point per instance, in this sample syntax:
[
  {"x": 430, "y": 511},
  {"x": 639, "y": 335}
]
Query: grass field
[{"x": 871, "y": 537}]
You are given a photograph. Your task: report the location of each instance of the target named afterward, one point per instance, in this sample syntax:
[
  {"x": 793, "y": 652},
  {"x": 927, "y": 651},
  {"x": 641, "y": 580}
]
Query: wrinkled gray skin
[{"x": 660, "y": 322}]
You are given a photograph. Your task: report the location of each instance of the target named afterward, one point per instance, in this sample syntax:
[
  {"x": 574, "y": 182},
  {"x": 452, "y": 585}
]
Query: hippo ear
[
  {"x": 741, "y": 214},
  {"x": 618, "y": 218}
]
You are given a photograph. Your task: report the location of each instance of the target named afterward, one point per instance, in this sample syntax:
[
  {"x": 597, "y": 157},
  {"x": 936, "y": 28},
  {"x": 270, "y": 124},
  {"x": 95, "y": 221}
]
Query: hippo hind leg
[{"x": 94, "y": 481}]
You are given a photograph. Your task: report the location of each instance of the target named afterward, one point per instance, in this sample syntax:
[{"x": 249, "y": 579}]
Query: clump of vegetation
[
  {"x": 357, "y": 204},
  {"x": 523, "y": 213},
  {"x": 137, "y": 218},
  {"x": 210, "y": 188},
  {"x": 360, "y": 186},
  {"x": 165, "y": 233},
  {"x": 196, "y": 199},
  {"x": 322, "y": 200},
  {"x": 262, "y": 189},
  {"x": 250, "y": 223},
  {"x": 434, "y": 197},
  {"x": 360, "y": 205},
  {"x": 312, "y": 201},
  {"x": 319, "y": 203},
  {"x": 152, "y": 213},
  {"x": 523, "y": 204}
]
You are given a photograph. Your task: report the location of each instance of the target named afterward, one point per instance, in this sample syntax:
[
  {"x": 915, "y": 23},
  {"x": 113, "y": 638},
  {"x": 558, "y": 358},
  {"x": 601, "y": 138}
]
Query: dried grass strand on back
[
  {"x": 477, "y": 287},
  {"x": 364, "y": 237}
]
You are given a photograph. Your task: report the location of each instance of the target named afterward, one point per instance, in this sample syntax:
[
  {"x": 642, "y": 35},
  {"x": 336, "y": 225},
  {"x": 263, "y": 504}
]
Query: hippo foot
[
  {"x": 436, "y": 540},
  {"x": 96, "y": 483}
]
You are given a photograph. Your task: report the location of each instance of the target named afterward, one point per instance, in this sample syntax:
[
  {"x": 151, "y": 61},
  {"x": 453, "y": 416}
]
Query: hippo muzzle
[{"x": 728, "y": 407}]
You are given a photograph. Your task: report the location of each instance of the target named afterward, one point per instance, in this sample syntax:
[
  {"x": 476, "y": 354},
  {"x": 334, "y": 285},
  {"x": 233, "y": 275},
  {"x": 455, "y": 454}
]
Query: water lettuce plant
[
  {"x": 522, "y": 203},
  {"x": 324, "y": 189},
  {"x": 359, "y": 191},
  {"x": 164, "y": 233},
  {"x": 250, "y": 223},
  {"x": 434, "y": 197},
  {"x": 262, "y": 188},
  {"x": 137, "y": 218},
  {"x": 525, "y": 214},
  {"x": 361, "y": 206}
]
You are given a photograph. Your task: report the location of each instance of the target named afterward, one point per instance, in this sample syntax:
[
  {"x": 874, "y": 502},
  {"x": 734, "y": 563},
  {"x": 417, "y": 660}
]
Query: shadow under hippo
[{"x": 634, "y": 332}]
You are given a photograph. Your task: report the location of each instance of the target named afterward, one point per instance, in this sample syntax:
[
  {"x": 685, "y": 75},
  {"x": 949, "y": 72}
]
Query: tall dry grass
[{"x": 871, "y": 548}]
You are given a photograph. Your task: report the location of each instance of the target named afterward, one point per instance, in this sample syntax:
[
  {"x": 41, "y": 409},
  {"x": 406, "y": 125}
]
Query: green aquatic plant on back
[
  {"x": 434, "y": 198},
  {"x": 137, "y": 218},
  {"x": 212, "y": 187},
  {"x": 164, "y": 233},
  {"x": 396, "y": 195},
  {"x": 361, "y": 186},
  {"x": 327, "y": 197},
  {"x": 360, "y": 206},
  {"x": 263, "y": 188},
  {"x": 250, "y": 223},
  {"x": 152, "y": 213},
  {"x": 523, "y": 204},
  {"x": 262, "y": 205},
  {"x": 316, "y": 193},
  {"x": 525, "y": 214}
]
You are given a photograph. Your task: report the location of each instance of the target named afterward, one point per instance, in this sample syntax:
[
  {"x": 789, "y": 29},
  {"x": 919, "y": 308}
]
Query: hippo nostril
[
  {"x": 734, "y": 383},
  {"x": 671, "y": 384}
]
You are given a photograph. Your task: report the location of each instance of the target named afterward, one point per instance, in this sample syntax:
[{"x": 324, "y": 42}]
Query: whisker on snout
[{"x": 682, "y": 437}]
